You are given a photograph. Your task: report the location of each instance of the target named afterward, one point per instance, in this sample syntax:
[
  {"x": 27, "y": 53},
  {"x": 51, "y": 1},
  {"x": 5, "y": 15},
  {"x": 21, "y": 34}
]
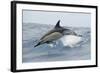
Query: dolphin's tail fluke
[{"x": 37, "y": 44}]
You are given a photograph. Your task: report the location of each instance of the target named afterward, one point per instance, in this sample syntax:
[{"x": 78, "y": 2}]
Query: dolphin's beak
[
  {"x": 74, "y": 33},
  {"x": 71, "y": 32}
]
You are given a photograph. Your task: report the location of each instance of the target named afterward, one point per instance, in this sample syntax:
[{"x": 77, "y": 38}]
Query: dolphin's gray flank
[{"x": 49, "y": 38}]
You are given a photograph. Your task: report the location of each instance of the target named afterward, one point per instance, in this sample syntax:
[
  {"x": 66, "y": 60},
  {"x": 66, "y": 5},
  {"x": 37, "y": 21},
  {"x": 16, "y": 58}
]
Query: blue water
[{"x": 32, "y": 32}]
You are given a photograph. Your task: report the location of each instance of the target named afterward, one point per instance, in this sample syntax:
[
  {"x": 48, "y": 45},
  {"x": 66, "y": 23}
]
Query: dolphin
[{"x": 56, "y": 33}]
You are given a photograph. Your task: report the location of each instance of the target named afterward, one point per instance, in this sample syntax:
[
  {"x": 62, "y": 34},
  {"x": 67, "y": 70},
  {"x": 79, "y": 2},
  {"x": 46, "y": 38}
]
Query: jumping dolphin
[{"x": 56, "y": 33}]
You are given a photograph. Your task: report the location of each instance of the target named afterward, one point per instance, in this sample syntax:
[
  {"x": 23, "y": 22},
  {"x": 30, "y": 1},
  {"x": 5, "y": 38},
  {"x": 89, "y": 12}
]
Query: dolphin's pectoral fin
[{"x": 48, "y": 42}]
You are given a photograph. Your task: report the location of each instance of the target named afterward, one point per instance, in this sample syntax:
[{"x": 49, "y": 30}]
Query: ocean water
[{"x": 32, "y": 32}]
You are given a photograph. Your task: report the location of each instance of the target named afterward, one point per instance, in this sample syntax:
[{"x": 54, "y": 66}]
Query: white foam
[{"x": 71, "y": 40}]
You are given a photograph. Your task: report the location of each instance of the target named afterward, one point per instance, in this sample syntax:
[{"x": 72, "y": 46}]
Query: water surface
[{"x": 32, "y": 32}]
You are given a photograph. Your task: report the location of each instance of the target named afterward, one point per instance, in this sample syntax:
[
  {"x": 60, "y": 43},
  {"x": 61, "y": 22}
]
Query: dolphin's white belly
[{"x": 71, "y": 40}]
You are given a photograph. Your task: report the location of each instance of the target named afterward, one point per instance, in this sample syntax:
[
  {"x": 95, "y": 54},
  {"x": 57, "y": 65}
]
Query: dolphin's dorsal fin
[{"x": 58, "y": 24}]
